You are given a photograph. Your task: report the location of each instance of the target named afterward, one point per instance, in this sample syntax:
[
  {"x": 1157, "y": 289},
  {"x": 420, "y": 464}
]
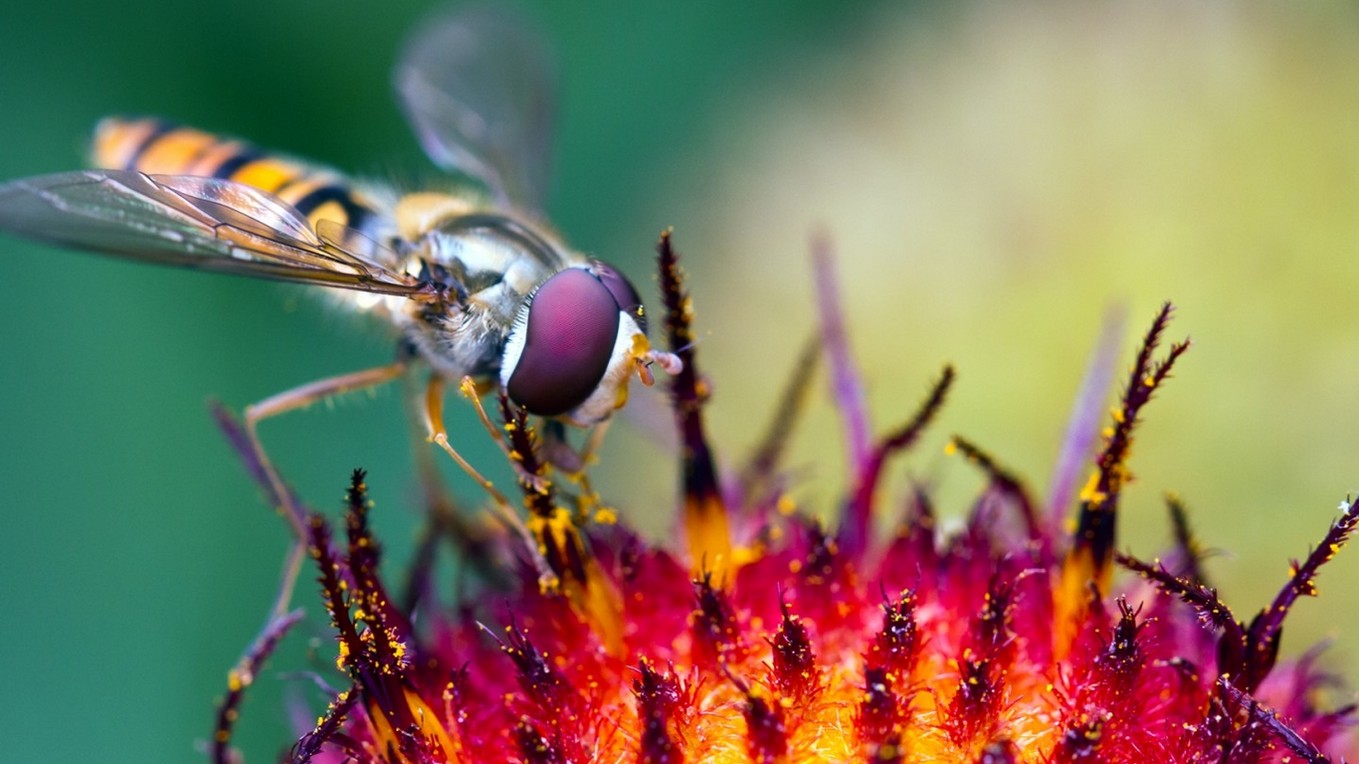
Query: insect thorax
[{"x": 488, "y": 270}]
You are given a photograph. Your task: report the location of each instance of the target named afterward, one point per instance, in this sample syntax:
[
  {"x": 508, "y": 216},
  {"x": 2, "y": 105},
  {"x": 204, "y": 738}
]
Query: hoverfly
[{"x": 475, "y": 284}]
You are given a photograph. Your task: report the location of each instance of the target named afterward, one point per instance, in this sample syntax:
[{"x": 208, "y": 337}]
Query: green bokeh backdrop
[{"x": 137, "y": 560}]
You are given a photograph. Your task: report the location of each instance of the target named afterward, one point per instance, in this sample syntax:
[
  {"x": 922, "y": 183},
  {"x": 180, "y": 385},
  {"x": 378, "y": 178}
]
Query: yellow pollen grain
[
  {"x": 702, "y": 389},
  {"x": 1090, "y": 493},
  {"x": 640, "y": 346}
]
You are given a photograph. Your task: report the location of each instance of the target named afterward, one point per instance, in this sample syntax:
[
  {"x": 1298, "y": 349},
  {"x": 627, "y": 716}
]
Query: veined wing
[
  {"x": 196, "y": 222},
  {"x": 477, "y": 85}
]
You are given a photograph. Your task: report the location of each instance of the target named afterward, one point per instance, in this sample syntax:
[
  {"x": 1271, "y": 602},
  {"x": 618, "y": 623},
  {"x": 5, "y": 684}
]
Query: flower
[{"x": 766, "y": 637}]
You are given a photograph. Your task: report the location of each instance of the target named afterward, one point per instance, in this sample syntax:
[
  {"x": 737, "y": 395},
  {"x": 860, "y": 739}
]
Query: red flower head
[{"x": 762, "y": 636}]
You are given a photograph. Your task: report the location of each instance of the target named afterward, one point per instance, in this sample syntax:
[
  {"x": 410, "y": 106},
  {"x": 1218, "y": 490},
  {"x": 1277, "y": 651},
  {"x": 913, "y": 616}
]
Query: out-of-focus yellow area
[{"x": 997, "y": 177}]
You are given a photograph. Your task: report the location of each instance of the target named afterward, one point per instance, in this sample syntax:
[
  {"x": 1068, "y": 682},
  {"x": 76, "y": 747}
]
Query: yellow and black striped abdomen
[{"x": 159, "y": 147}]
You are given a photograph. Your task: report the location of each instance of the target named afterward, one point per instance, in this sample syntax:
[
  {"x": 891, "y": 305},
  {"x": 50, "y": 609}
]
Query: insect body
[
  {"x": 472, "y": 281},
  {"x": 468, "y": 275}
]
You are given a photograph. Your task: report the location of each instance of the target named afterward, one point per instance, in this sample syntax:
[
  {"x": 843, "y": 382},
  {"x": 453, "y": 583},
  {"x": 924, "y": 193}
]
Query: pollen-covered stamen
[
  {"x": 717, "y": 635},
  {"x": 795, "y": 675},
  {"x": 1246, "y": 654},
  {"x": 975, "y": 707},
  {"x": 1100, "y": 690},
  {"x": 1090, "y": 556},
  {"x": 705, "y": 511},
  {"x": 1081, "y": 740},
  {"x": 356, "y": 656},
  {"x": 1262, "y": 638},
  {"x": 990, "y": 636},
  {"x": 1082, "y": 428},
  {"x": 544, "y": 685},
  {"x": 1002, "y": 480},
  {"x": 552, "y": 704},
  {"x": 1094, "y": 539},
  {"x": 376, "y": 658},
  {"x": 1270, "y": 720},
  {"x": 576, "y": 572},
  {"x": 522, "y": 449},
  {"x": 353, "y": 652},
  {"x": 880, "y": 718},
  {"x": 591, "y": 594},
  {"x": 896, "y": 647},
  {"x": 1231, "y": 727},
  {"x": 983, "y": 666},
  {"x": 384, "y": 637},
  {"x": 327, "y": 728},
  {"x": 828, "y": 590},
  {"x": 241, "y": 676},
  {"x": 660, "y": 701},
  {"x": 856, "y": 527},
  {"x": 1123, "y": 658},
  {"x": 364, "y": 555},
  {"x": 1211, "y": 611}
]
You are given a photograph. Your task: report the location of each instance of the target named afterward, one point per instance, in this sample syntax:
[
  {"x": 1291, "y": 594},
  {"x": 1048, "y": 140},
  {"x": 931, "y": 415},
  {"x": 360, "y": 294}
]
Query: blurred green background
[{"x": 994, "y": 179}]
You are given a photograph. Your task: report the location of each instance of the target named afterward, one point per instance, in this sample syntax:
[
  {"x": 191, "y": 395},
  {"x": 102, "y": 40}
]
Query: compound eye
[
  {"x": 622, "y": 290},
  {"x": 569, "y": 335}
]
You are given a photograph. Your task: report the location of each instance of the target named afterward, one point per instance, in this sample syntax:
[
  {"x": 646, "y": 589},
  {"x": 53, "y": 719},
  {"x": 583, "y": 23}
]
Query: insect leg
[
  {"x": 473, "y": 392},
  {"x": 300, "y": 397},
  {"x": 504, "y": 511},
  {"x": 445, "y": 520}
]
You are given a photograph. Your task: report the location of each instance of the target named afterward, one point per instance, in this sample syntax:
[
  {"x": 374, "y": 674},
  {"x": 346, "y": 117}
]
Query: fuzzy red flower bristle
[{"x": 765, "y": 637}]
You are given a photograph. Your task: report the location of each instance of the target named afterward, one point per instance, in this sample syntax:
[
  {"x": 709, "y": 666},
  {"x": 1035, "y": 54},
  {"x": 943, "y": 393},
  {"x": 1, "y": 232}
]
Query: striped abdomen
[{"x": 158, "y": 147}]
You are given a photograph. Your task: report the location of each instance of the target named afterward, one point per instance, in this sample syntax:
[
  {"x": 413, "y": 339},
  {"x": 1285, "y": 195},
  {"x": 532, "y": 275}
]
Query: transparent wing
[
  {"x": 205, "y": 223},
  {"x": 477, "y": 85}
]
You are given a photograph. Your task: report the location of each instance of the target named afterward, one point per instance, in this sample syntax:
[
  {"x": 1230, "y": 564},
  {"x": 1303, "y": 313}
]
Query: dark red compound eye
[
  {"x": 622, "y": 290},
  {"x": 569, "y": 338}
]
